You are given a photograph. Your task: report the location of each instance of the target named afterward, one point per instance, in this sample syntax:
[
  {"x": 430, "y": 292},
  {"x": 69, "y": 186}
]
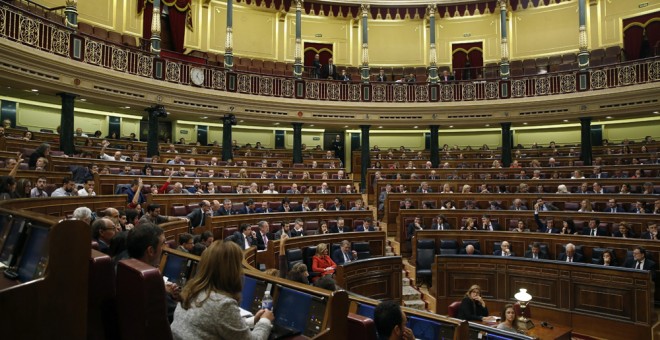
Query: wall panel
[
  {"x": 396, "y": 42},
  {"x": 484, "y": 28},
  {"x": 100, "y": 13},
  {"x": 322, "y": 30},
  {"x": 544, "y": 30}
]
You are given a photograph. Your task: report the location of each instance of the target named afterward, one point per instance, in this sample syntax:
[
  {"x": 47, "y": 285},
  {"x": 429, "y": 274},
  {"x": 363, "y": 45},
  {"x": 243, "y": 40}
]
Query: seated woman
[
  {"x": 321, "y": 262},
  {"x": 624, "y": 231},
  {"x": 299, "y": 273},
  {"x": 568, "y": 227},
  {"x": 509, "y": 321},
  {"x": 323, "y": 228},
  {"x": 473, "y": 307},
  {"x": 469, "y": 224},
  {"x": 608, "y": 259},
  {"x": 209, "y": 302}
]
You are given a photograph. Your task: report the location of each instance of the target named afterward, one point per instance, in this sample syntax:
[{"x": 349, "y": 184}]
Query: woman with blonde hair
[
  {"x": 321, "y": 262},
  {"x": 209, "y": 301},
  {"x": 562, "y": 189},
  {"x": 473, "y": 307}
]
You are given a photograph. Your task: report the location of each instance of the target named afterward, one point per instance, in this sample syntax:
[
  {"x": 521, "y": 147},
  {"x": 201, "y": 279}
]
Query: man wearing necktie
[
  {"x": 344, "y": 254},
  {"x": 639, "y": 261},
  {"x": 263, "y": 235},
  {"x": 570, "y": 255},
  {"x": 197, "y": 217},
  {"x": 535, "y": 253}
]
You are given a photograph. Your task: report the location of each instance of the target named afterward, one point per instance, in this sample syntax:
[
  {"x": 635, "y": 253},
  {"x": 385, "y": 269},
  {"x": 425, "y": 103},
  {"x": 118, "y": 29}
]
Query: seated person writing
[
  {"x": 473, "y": 307},
  {"x": 321, "y": 262}
]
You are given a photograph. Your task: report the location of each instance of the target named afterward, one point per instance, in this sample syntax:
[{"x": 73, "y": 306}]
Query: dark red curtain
[
  {"x": 177, "y": 28},
  {"x": 311, "y": 49},
  {"x": 460, "y": 55},
  {"x": 634, "y": 30},
  {"x": 147, "y": 9}
]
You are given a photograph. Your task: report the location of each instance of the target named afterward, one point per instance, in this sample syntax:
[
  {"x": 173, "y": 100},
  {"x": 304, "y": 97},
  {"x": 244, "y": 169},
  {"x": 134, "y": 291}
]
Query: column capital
[
  {"x": 66, "y": 95},
  {"x": 503, "y": 4},
  {"x": 297, "y": 125},
  {"x": 431, "y": 8},
  {"x": 365, "y": 127},
  {"x": 299, "y": 3},
  {"x": 585, "y": 119},
  {"x": 505, "y": 125},
  {"x": 365, "y": 9}
]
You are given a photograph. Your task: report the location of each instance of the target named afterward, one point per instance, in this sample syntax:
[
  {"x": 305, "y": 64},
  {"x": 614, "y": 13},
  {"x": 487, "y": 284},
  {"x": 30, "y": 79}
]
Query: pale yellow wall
[
  {"x": 633, "y": 130},
  {"x": 335, "y": 31},
  {"x": 481, "y": 28},
  {"x": 544, "y": 30},
  {"x": 243, "y": 136},
  {"x": 612, "y": 14},
  {"x": 36, "y": 117},
  {"x": 264, "y": 34},
  {"x": 473, "y": 138},
  {"x": 394, "y": 139},
  {"x": 129, "y": 126},
  {"x": 560, "y": 135},
  {"x": 184, "y": 130},
  {"x": 397, "y": 42},
  {"x": 307, "y": 138}
]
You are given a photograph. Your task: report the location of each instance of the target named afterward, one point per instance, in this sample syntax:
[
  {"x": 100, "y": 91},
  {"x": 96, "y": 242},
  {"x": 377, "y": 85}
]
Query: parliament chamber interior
[{"x": 366, "y": 157}]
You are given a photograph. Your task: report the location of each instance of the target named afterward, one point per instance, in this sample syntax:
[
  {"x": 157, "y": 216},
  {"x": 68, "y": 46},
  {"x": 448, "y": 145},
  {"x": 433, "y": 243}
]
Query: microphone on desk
[{"x": 546, "y": 324}]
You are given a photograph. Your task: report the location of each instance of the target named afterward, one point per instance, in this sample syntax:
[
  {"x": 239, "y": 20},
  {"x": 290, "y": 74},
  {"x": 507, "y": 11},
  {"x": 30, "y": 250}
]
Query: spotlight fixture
[
  {"x": 230, "y": 118},
  {"x": 157, "y": 111}
]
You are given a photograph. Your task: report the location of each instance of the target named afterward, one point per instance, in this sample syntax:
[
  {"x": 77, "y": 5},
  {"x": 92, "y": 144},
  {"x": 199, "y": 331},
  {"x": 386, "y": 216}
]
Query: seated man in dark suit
[
  {"x": 517, "y": 205},
  {"x": 298, "y": 229},
  {"x": 264, "y": 237},
  {"x": 285, "y": 230},
  {"x": 198, "y": 216},
  {"x": 285, "y": 206},
  {"x": 243, "y": 237},
  {"x": 593, "y": 229},
  {"x": 570, "y": 255},
  {"x": 264, "y": 208},
  {"x": 613, "y": 207},
  {"x": 651, "y": 233},
  {"x": 225, "y": 209},
  {"x": 441, "y": 223},
  {"x": 487, "y": 224},
  {"x": 366, "y": 225},
  {"x": 446, "y": 77},
  {"x": 248, "y": 208},
  {"x": 339, "y": 205},
  {"x": 344, "y": 254},
  {"x": 639, "y": 261},
  {"x": 505, "y": 250},
  {"x": 535, "y": 253},
  {"x": 414, "y": 226},
  {"x": 103, "y": 230},
  {"x": 548, "y": 227},
  {"x": 340, "y": 227},
  {"x": 469, "y": 250}
]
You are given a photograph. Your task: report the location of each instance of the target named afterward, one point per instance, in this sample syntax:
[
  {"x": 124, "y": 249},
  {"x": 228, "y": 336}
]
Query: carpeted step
[
  {"x": 415, "y": 304},
  {"x": 410, "y": 293}
]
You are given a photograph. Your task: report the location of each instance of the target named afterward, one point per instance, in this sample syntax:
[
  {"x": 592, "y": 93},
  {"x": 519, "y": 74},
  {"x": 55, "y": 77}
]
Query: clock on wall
[{"x": 197, "y": 76}]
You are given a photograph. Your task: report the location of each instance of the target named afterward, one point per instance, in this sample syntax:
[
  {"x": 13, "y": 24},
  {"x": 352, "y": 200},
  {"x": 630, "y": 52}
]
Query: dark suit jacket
[
  {"x": 499, "y": 253},
  {"x": 445, "y": 226},
  {"x": 576, "y": 257},
  {"x": 630, "y": 234},
  {"x": 542, "y": 255},
  {"x": 647, "y": 236},
  {"x": 381, "y": 78},
  {"x": 295, "y": 233},
  {"x": 427, "y": 190},
  {"x": 410, "y": 230},
  {"x": 263, "y": 211},
  {"x": 334, "y": 208},
  {"x": 618, "y": 209},
  {"x": 246, "y": 210},
  {"x": 587, "y": 231},
  {"x": 543, "y": 228},
  {"x": 223, "y": 212},
  {"x": 338, "y": 256},
  {"x": 239, "y": 239},
  {"x": 522, "y": 207},
  {"x": 449, "y": 78},
  {"x": 335, "y": 230},
  {"x": 361, "y": 228},
  {"x": 648, "y": 264},
  {"x": 281, "y": 209},
  {"x": 496, "y": 226},
  {"x": 463, "y": 252},
  {"x": 260, "y": 240},
  {"x": 325, "y": 72},
  {"x": 196, "y": 217}
]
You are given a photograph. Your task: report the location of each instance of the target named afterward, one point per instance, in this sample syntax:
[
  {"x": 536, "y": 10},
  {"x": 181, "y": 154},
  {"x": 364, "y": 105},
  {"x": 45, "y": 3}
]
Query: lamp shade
[{"x": 523, "y": 296}]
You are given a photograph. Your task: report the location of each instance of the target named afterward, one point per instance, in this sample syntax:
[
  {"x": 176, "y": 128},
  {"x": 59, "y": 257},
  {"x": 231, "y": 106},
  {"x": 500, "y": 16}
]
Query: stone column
[
  {"x": 71, "y": 14},
  {"x": 504, "y": 63},
  {"x": 365, "y": 160},
  {"x": 506, "y": 145},
  {"x": 435, "y": 155},
  {"x": 155, "y": 28},
  {"x": 433, "y": 58},
  {"x": 583, "y": 55},
  {"x": 229, "y": 42},
  {"x": 227, "y": 122},
  {"x": 297, "y": 143},
  {"x": 297, "y": 54},
  {"x": 585, "y": 140},
  {"x": 364, "y": 69},
  {"x": 66, "y": 122}
]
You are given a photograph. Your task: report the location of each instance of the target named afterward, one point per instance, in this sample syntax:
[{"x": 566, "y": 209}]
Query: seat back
[
  {"x": 362, "y": 249},
  {"x": 308, "y": 257},
  {"x": 425, "y": 253},
  {"x": 360, "y": 327},
  {"x": 101, "y": 304},
  {"x": 293, "y": 257},
  {"x": 141, "y": 303},
  {"x": 452, "y": 311},
  {"x": 474, "y": 243}
]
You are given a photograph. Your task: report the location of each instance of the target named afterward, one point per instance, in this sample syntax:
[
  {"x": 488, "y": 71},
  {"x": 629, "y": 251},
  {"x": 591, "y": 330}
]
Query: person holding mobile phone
[{"x": 473, "y": 307}]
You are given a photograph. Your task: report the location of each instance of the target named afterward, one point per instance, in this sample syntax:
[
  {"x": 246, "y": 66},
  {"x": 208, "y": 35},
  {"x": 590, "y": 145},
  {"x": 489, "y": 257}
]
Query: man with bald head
[
  {"x": 198, "y": 216},
  {"x": 117, "y": 156}
]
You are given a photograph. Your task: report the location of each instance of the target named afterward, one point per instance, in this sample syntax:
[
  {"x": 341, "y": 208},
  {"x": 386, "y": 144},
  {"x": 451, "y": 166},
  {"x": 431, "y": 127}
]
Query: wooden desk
[
  {"x": 558, "y": 332},
  {"x": 376, "y": 278}
]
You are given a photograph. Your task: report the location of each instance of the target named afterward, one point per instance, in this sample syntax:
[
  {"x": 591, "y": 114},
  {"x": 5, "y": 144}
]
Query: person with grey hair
[
  {"x": 569, "y": 254},
  {"x": 83, "y": 213},
  {"x": 103, "y": 230},
  {"x": 344, "y": 254}
]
